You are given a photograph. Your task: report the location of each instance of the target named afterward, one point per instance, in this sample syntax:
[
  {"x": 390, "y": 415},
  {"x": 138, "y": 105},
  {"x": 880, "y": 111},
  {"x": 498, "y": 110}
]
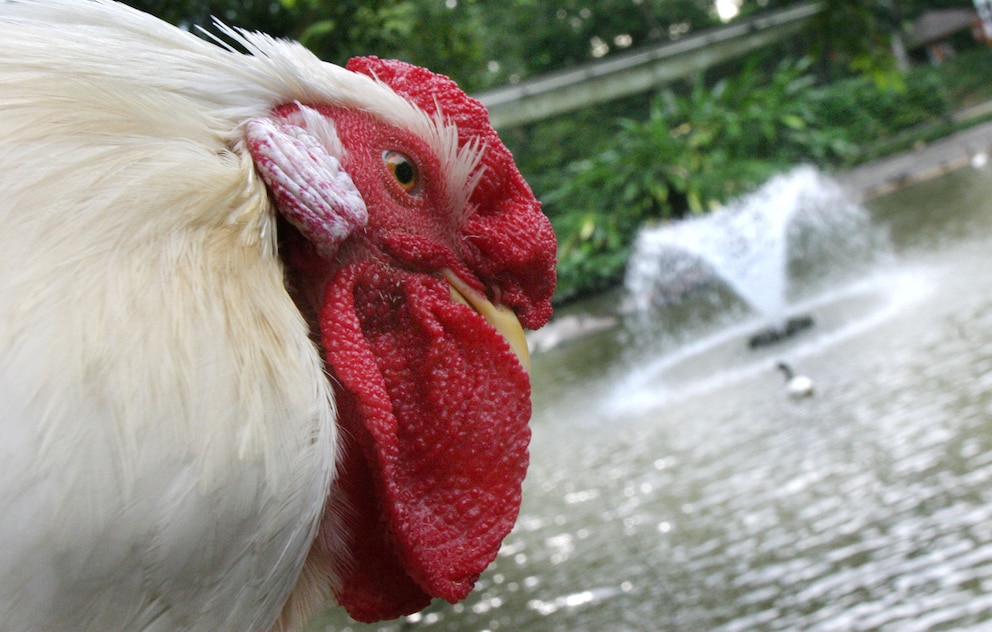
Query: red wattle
[{"x": 434, "y": 407}]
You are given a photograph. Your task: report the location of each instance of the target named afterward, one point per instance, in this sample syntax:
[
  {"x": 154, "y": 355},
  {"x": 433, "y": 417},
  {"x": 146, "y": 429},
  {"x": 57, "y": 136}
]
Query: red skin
[{"x": 432, "y": 403}]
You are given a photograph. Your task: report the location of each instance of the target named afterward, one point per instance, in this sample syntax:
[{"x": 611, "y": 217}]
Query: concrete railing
[{"x": 638, "y": 71}]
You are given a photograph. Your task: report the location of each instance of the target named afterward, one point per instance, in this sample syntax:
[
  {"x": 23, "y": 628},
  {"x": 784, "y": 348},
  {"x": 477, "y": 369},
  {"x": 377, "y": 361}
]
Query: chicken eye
[{"x": 402, "y": 169}]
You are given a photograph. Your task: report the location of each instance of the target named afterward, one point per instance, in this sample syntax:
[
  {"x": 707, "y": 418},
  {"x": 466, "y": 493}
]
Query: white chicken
[{"x": 250, "y": 308}]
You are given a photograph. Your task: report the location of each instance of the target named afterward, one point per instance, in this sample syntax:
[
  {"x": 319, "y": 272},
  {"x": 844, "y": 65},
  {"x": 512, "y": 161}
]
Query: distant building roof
[{"x": 933, "y": 26}]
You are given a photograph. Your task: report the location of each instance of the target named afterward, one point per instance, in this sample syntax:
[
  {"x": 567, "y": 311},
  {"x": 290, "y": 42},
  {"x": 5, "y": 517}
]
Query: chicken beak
[{"x": 500, "y": 317}]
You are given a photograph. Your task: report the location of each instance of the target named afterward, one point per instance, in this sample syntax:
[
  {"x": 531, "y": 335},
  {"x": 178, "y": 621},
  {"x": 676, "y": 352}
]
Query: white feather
[{"x": 168, "y": 432}]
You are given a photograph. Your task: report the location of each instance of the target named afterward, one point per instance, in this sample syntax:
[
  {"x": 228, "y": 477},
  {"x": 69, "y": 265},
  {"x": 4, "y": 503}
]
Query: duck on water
[{"x": 798, "y": 386}]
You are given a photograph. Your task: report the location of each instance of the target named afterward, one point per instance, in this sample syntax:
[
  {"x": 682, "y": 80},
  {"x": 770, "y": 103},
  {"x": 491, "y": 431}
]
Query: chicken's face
[{"x": 417, "y": 252}]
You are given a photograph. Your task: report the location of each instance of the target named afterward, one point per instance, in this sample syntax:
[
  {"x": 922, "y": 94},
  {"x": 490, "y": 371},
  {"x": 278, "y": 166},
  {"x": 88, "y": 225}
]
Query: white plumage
[
  {"x": 95, "y": 94},
  {"x": 169, "y": 440}
]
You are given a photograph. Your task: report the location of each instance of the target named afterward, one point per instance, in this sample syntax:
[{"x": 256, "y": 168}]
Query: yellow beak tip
[{"x": 501, "y": 318}]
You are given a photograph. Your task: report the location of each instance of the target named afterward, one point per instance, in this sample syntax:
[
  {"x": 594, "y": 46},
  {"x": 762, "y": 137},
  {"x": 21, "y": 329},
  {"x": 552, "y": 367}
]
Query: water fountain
[{"x": 798, "y": 226}]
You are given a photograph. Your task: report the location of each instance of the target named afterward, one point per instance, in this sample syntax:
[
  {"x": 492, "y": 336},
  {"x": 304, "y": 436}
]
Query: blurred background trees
[{"x": 837, "y": 94}]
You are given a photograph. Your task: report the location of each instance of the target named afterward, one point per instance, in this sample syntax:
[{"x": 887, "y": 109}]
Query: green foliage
[
  {"x": 693, "y": 153},
  {"x": 858, "y": 33},
  {"x": 530, "y": 37},
  {"x": 448, "y": 39},
  {"x": 479, "y": 43},
  {"x": 423, "y": 32},
  {"x": 964, "y": 78},
  {"x": 696, "y": 151},
  {"x": 863, "y": 111}
]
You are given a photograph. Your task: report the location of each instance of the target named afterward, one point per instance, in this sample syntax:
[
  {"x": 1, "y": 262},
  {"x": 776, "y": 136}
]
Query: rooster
[{"x": 260, "y": 328}]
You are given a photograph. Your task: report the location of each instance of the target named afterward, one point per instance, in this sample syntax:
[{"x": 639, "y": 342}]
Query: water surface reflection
[{"x": 717, "y": 503}]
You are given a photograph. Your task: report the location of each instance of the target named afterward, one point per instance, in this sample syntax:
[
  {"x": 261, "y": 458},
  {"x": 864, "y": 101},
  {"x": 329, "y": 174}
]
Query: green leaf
[
  {"x": 793, "y": 121},
  {"x": 317, "y": 30},
  {"x": 587, "y": 228}
]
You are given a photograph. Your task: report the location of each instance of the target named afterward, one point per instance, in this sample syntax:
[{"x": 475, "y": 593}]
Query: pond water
[{"x": 675, "y": 486}]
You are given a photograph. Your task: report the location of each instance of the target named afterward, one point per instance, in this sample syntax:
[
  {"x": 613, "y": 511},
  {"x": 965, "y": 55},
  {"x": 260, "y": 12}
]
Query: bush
[
  {"x": 691, "y": 154},
  {"x": 859, "y": 109},
  {"x": 696, "y": 151}
]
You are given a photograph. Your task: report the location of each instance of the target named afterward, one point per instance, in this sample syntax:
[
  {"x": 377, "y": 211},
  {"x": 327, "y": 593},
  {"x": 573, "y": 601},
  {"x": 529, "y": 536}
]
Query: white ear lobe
[{"x": 309, "y": 187}]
